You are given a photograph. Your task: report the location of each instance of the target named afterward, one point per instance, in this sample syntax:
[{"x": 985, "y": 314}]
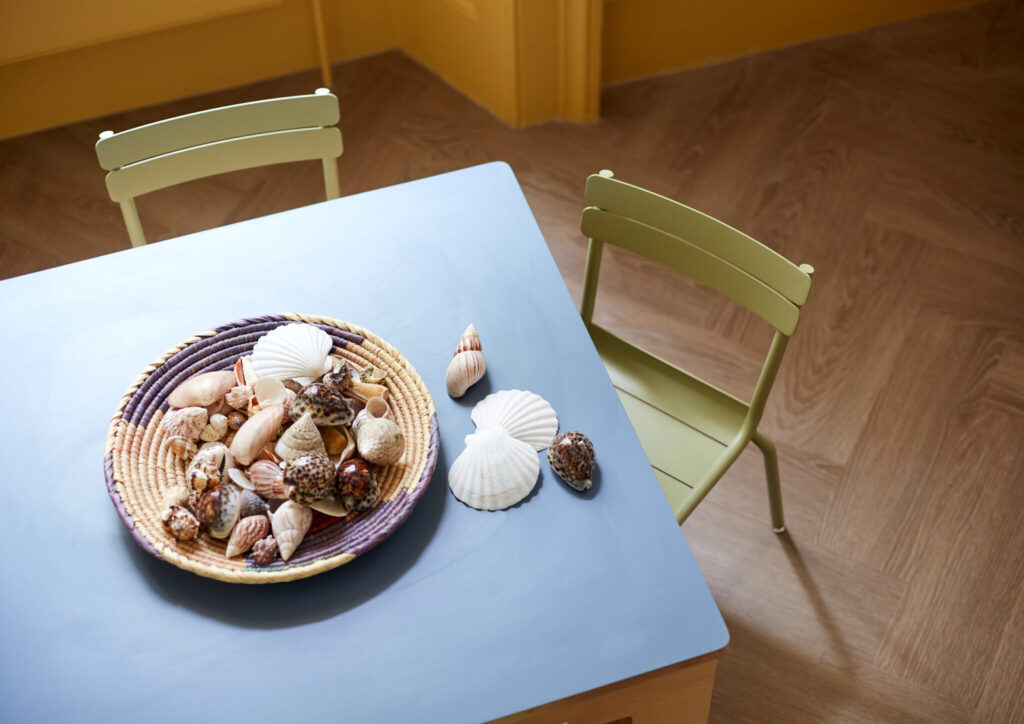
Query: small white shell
[
  {"x": 215, "y": 429},
  {"x": 495, "y": 470},
  {"x": 524, "y": 415},
  {"x": 290, "y": 523},
  {"x": 293, "y": 351},
  {"x": 270, "y": 391},
  {"x": 299, "y": 439},
  {"x": 202, "y": 390},
  {"x": 467, "y": 366},
  {"x": 380, "y": 441}
]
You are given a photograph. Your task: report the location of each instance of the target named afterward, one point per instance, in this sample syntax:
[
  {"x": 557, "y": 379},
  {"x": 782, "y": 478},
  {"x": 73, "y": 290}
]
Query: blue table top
[{"x": 461, "y": 615}]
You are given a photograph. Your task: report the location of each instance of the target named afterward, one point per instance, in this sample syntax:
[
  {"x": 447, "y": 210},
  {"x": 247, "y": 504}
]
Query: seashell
[
  {"x": 325, "y": 405},
  {"x": 300, "y": 439},
  {"x": 356, "y": 485},
  {"x": 209, "y": 466},
  {"x": 251, "y": 504},
  {"x": 331, "y": 507},
  {"x": 269, "y": 391},
  {"x": 257, "y": 431},
  {"x": 495, "y": 470},
  {"x": 524, "y": 415},
  {"x": 236, "y": 419},
  {"x": 372, "y": 375},
  {"x": 265, "y": 551},
  {"x": 290, "y": 523},
  {"x": 309, "y": 478},
  {"x": 239, "y": 396},
  {"x": 218, "y": 509},
  {"x": 204, "y": 389},
  {"x": 176, "y": 495},
  {"x": 572, "y": 458},
  {"x": 182, "y": 524},
  {"x": 380, "y": 441},
  {"x": 467, "y": 366},
  {"x": 215, "y": 429},
  {"x": 267, "y": 479},
  {"x": 181, "y": 447},
  {"x": 375, "y": 407},
  {"x": 336, "y": 440},
  {"x": 246, "y": 533},
  {"x": 293, "y": 351},
  {"x": 185, "y": 422},
  {"x": 340, "y": 378},
  {"x": 366, "y": 390},
  {"x": 220, "y": 407}
]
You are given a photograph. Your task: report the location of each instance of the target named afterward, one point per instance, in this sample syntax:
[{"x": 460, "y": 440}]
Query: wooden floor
[{"x": 893, "y": 161}]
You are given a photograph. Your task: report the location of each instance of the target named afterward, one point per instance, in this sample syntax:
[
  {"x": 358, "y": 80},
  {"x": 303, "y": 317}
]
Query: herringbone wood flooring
[{"x": 892, "y": 160}]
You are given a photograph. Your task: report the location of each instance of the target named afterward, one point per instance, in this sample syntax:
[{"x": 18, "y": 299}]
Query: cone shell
[
  {"x": 202, "y": 390},
  {"x": 246, "y": 533},
  {"x": 293, "y": 351},
  {"x": 187, "y": 422},
  {"x": 495, "y": 470},
  {"x": 290, "y": 524},
  {"x": 300, "y": 439},
  {"x": 572, "y": 458},
  {"x": 380, "y": 441},
  {"x": 467, "y": 366},
  {"x": 524, "y": 415},
  {"x": 257, "y": 431}
]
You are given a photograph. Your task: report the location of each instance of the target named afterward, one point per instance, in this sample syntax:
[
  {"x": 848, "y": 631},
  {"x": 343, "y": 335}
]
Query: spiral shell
[
  {"x": 380, "y": 441},
  {"x": 181, "y": 447},
  {"x": 182, "y": 524},
  {"x": 293, "y": 351},
  {"x": 290, "y": 524},
  {"x": 205, "y": 389},
  {"x": 218, "y": 509},
  {"x": 467, "y": 366},
  {"x": 215, "y": 429},
  {"x": 309, "y": 478},
  {"x": 572, "y": 458},
  {"x": 185, "y": 422},
  {"x": 245, "y": 534},
  {"x": 300, "y": 439},
  {"x": 264, "y": 551},
  {"x": 357, "y": 486},
  {"x": 209, "y": 466}
]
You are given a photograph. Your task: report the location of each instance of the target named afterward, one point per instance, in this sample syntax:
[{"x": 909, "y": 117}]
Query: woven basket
[{"x": 139, "y": 468}]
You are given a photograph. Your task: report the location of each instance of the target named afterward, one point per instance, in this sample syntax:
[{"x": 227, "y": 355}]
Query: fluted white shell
[
  {"x": 495, "y": 470},
  {"x": 290, "y": 522},
  {"x": 526, "y": 416},
  {"x": 297, "y": 352}
]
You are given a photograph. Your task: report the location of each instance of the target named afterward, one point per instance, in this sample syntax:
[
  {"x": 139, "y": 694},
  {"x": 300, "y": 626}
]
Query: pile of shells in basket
[{"x": 289, "y": 430}]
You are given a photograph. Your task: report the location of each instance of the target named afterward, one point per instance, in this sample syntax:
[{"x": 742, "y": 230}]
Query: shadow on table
[{"x": 294, "y": 603}]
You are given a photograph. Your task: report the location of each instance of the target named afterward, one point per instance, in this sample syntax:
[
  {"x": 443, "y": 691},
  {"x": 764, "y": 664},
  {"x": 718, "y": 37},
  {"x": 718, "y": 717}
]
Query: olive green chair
[
  {"x": 691, "y": 431},
  {"x": 207, "y": 143}
]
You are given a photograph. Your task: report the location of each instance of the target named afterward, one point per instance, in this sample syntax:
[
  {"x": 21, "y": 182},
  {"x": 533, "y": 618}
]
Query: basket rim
[{"x": 424, "y": 407}]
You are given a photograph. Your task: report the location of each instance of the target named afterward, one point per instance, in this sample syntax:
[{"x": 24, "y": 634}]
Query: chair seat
[{"x": 684, "y": 424}]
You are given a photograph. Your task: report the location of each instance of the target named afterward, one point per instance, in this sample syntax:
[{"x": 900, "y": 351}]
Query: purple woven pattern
[
  {"x": 358, "y": 534},
  {"x": 122, "y": 512}
]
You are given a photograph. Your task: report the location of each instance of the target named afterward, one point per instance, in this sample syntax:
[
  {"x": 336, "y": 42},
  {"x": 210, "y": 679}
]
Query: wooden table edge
[{"x": 680, "y": 693}]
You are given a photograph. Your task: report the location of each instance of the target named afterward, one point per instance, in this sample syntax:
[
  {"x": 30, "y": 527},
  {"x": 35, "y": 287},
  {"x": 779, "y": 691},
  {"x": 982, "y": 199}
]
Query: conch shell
[
  {"x": 245, "y": 534},
  {"x": 202, "y": 390},
  {"x": 209, "y": 466},
  {"x": 467, "y": 366},
  {"x": 299, "y": 439},
  {"x": 257, "y": 431},
  {"x": 290, "y": 524}
]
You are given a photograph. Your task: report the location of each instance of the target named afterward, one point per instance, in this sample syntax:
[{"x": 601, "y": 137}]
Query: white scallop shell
[
  {"x": 526, "y": 416},
  {"x": 297, "y": 352},
  {"x": 495, "y": 470}
]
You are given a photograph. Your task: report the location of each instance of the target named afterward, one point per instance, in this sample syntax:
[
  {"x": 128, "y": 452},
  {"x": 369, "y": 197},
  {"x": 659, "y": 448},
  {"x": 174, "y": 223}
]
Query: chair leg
[{"x": 771, "y": 469}]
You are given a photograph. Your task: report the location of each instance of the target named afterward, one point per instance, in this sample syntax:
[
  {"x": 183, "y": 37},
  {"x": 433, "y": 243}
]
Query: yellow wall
[
  {"x": 647, "y": 37},
  {"x": 153, "y": 67}
]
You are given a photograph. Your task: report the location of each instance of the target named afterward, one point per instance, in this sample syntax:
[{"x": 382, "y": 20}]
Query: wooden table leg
[{"x": 678, "y": 694}]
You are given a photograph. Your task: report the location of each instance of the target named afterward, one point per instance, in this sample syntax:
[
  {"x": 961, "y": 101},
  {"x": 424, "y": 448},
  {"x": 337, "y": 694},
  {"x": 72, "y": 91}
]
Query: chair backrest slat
[
  {"x": 702, "y": 231},
  {"x": 222, "y": 157},
  {"x": 218, "y": 124},
  {"x": 694, "y": 262}
]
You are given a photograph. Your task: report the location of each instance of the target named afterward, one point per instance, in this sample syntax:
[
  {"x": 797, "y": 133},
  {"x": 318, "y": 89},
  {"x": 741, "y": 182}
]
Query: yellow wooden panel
[{"x": 647, "y": 37}]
